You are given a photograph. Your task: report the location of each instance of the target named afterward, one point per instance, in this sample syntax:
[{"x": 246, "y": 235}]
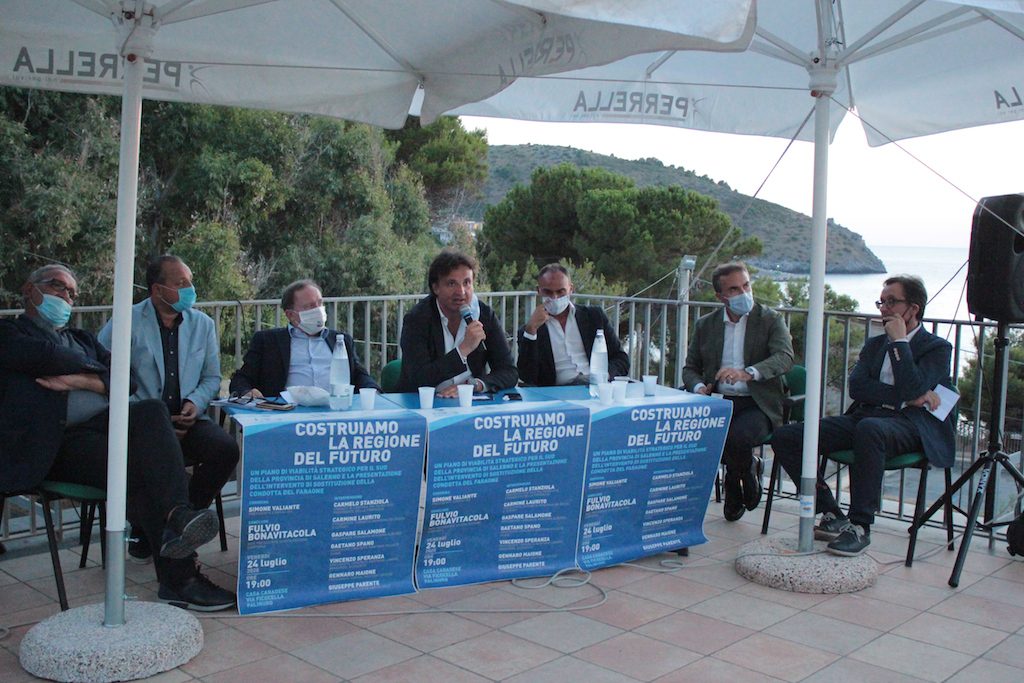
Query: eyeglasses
[
  {"x": 61, "y": 289},
  {"x": 890, "y": 302}
]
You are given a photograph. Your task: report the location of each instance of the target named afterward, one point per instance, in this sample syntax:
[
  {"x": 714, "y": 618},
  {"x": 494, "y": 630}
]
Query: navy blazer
[
  {"x": 425, "y": 363},
  {"x": 916, "y": 368},
  {"x": 536, "y": 361},
  {"x": 265, "y": 365},
  {"x": 33, "y": 419}
]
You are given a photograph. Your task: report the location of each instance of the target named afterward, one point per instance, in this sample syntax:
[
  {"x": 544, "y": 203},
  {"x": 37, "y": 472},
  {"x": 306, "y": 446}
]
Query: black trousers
[
  {"x": 872, "y": 433},
  {"x": 747, "y": 429},
  {"x": 213, "y": 454},
  {"x": 156, "y": 473}
]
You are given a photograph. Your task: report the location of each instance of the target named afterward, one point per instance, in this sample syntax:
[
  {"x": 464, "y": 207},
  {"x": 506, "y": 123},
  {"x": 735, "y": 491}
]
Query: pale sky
[{"x": 880, "y": 192}]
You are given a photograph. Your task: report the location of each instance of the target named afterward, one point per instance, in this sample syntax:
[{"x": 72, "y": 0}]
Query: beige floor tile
[
  {"x": 714, "y": 573},
  {"x": 671, "y": 590},
  {"x": 550, "y": 595},
  {"x": 929, "y": 574},
  {"x": 563, "y": 631},
  {"x": 225, "y": 649},
  {"x": 10, "y": 669},
  {"x": 496, "y": 655},
  {"x": 1014, "y": 571},
  {"x": 569, "y": 670},
  {"x": 77, "y": 583},
  {"x": 743, "y": 610},
  {"x": 618, "y": 576},
  {"x": 868, "y": 612},
  {"x": 711, "y": 669},
  {"x": 983, "y": 670},
  {"x": 503, "y": 604},
  {"x": 21, "y": 596},
  {"x": 172, "y": 676},
  {"x": 377, "y": 610},
  {"x": 776, "y": 657},
  {"x": 848, "y": 670},
  {"x": 441, "y": 596},
  {"x": 627, "y": 612},
  {"x": 281, "y": 667},
  {"x": 422, "y": 669},
  {"x": 950, "y": 633},
  {"x": 38, "y": 565},
  {"x": 981, "y": 611},
  {"x": 6, "y": 579},
  {"x": 824, "y": 633},
  {"x": 783, "y": 597},
  {"x": 906, "y": 593},
  {"x": 290, "y": 632},
  {"x": 1009, "y": 652},
  {"x": 912, "y": 657},
  {"x": 695, "y": 632},
  {"x": 980, "y": 560},
  {"x": 1000, "y": 590},
  {"x": 638, "y": 656},
  {"x": 428, "y": 632},
  {"x": 355, "y": 654}
]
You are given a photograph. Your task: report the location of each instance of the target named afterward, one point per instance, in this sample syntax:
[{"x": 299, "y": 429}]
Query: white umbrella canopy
[
  {"x": 912, "y": 68},
  {"x": 362, "y": 60}
]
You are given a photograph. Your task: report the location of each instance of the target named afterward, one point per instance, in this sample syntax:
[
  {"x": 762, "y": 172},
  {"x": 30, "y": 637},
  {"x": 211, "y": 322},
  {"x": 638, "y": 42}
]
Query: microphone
[{"x": 467, "y": 314}]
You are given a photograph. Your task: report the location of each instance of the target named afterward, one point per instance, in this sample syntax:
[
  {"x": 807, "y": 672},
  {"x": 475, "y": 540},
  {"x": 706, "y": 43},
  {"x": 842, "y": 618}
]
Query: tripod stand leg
[
  {"x": 947, "y": 516},
  {"x": 972, "y": 521}
]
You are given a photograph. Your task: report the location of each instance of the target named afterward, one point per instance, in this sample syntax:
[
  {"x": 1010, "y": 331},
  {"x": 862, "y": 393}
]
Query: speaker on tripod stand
[{"x": 995, "y": 290}]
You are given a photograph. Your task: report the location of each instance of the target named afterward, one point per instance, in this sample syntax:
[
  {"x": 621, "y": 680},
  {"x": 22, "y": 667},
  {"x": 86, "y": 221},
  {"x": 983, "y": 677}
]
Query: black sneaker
[
  {"x": 852, "y": 540},
  {"x": 186, "y": 530},
  {"x": 197, "y": 593},
  {"x": 139, "y": 551},
  {"x": 752, "y": 483},
  {"x": 733, "y": 508},
  {"x": 682, "y": 552},
  {"x": 829, "y": 527}
]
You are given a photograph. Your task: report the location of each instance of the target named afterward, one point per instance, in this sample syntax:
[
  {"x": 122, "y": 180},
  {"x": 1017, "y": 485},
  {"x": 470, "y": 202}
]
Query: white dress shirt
[
  {"x": 450, "y": 343},
  {"x": 309, "y": 364},
  {"x": 567, "y": 348}
]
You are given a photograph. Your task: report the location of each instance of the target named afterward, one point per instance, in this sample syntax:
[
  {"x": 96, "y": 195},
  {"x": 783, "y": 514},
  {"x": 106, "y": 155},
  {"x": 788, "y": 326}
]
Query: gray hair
[{"x": 44, "y": 273}]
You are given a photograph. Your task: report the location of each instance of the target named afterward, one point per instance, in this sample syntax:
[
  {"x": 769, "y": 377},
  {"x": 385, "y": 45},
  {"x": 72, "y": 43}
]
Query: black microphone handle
[{"x": 468, "y": 318}]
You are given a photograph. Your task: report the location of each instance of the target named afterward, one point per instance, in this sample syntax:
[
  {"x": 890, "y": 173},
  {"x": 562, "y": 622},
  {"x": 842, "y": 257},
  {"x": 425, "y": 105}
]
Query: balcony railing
[{"x": 652, "y": 331}]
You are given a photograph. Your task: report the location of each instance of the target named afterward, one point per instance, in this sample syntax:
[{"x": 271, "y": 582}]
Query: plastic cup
[
  {"x": 367, "y": 397},
  {"x": 650, "y": 382},
  {"x": 619, "y": 391},
  {"x": 426, "y": 398},
  {"x": 605, "y": 393},
  {"x": 465, "y": 395}
]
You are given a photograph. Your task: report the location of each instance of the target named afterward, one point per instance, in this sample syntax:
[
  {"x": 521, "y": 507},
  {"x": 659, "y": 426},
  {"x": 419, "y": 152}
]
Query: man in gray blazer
[
  {"x": 742, "y": 353},
  {"x": 176, "y": 359}
]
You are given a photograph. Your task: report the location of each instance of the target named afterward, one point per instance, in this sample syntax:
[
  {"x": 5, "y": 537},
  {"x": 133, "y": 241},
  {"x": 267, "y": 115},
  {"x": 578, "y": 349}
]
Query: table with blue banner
[{"x": 351, "y": 504}]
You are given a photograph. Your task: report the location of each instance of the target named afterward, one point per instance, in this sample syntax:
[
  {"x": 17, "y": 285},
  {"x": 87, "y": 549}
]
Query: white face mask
[
  {"x": 557, "y": 305},
  {"x": 313, "y": 320}
]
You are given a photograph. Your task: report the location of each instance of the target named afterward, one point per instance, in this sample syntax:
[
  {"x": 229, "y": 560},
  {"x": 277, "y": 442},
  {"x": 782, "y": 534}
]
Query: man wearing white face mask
[
  {"x": 742, "y": 353},
  {"x": 176, "y": 359},
  {"x": 555, "y": 343},
  {"x": 299, "y": 354}
]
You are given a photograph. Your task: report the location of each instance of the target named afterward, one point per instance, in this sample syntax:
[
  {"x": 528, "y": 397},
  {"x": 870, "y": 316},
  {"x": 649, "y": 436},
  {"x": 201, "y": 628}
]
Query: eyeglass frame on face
[
  {"x": 59, "y": 288},
  {"x": 890, "y": 302}
]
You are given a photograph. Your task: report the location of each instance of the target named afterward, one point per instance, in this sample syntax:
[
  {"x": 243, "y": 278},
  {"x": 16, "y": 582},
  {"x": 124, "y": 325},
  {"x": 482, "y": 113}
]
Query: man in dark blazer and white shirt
[
  {"x": 299, "y": 354},
  {"x": 555, "y": 343},
  {"x": 742, "y": 353},
  {"x": 892, "y": 386}
]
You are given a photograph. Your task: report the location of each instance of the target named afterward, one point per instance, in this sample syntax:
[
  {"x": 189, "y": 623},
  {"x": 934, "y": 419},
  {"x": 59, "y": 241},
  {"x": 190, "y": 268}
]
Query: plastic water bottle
[
  {"x": 340, "y": 375},
  {"x": 598, "y": 362}
]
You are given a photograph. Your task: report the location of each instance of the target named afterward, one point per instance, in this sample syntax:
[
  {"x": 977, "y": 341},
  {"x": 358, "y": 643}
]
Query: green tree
[
  {"x": 967, "y": 385},
  {"x": 797, "y": 296}
]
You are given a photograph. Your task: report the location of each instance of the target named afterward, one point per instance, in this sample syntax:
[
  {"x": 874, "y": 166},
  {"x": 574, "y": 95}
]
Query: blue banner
[
  {"x": 503, "y": 493},
  {"x": 649, "y": 476},
  {"x": 328, "y": 507}
]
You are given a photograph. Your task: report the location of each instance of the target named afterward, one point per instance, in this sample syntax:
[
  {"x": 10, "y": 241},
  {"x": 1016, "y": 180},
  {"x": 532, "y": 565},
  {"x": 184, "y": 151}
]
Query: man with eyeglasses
[
  {"x": 54, "y": 383},
  {"x": 298, "y": 354},
  {"x": 892, "y": 387},
  {"x": 176, "y": 359}
]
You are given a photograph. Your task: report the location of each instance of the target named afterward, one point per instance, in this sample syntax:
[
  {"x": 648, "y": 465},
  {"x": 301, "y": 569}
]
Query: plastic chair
[{"x": 390, "y": 375}]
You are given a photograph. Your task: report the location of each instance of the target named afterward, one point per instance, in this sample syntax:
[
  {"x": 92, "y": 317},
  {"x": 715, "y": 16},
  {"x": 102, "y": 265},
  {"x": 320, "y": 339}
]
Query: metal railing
[{"x": 651, "y": 331}]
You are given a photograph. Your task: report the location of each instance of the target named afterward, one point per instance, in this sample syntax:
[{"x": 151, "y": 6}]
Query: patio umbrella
[
  {"x": 910, "y": 69},
  {"x": 362, "y": 60}
]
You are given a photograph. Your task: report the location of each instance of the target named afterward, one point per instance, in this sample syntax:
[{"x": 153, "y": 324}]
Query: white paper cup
[
  {"x": 650, "y": 382},
  {"x": 426, "y": 398},
  {"x": 605, "y": 392},
  {"x": 619, "y": 391},
  {"x": 465, "y": 395},
  {"x": 367, "y": 397}
]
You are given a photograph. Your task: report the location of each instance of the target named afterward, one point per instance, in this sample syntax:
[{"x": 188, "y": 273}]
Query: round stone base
[
  {"x": 774, "y": 562},
  {"x": 76, "y": 646}
]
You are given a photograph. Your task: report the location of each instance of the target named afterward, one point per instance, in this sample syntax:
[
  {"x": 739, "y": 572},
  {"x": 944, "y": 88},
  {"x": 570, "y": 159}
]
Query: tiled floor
[{"x": 702, "y": 622}]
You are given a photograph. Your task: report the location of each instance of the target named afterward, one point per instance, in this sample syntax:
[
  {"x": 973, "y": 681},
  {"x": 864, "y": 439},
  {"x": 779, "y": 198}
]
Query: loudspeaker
[{"x": 995, "y": 272}]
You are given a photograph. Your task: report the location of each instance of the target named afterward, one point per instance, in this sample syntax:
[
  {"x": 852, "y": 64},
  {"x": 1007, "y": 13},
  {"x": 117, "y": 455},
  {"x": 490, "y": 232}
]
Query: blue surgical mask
[
  {"x": 54, "y": 310},
  {"x": 741, "y": 304},
  {"x": 186, "y": 297}
]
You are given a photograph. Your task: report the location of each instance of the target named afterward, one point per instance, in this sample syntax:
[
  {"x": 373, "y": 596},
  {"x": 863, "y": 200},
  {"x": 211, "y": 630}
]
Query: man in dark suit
[
  {"x": 299, "y": 354},
  {"x": 440, "y": 348},
  {"x": 54, "y": 382},
  {"x": 742, "y": 353},
  {"x": 892, "y": 389},
  {"x": 555, "y": 343}
]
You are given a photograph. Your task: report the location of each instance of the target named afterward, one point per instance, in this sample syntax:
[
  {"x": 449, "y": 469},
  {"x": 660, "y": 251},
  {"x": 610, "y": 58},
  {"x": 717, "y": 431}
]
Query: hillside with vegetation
[{"x": 783, "y": 232}]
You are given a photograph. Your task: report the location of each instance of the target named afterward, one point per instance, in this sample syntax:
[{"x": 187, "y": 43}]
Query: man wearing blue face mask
[
  {"x": 555, "y": 343},
  {"x": 54, "y": 382},
  {"x": 176, "y": 359},
  {"x": 741, "y": 352}
]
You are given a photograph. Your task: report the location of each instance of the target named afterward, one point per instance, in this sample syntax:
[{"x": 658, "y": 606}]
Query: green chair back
[
  {"x": 796, "y": 383},
  {"x": 389, "y": 376}
]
